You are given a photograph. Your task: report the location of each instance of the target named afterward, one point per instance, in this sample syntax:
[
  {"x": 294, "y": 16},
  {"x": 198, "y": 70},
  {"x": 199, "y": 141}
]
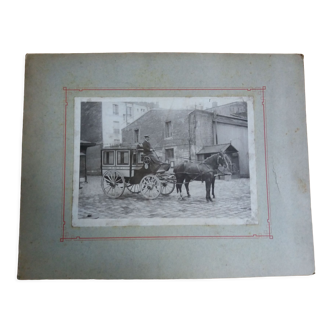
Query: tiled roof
[{"x": 216, "y": 148}]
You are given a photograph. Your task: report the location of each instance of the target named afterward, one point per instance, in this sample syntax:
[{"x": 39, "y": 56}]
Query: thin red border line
[
  {"x": 157, "y": 89},
  {"x": 64, "y": 165},
  {"x": 266, "y": 165},
  {"x": 166, "y": 237},
  {"x": 188, "y": 237}
]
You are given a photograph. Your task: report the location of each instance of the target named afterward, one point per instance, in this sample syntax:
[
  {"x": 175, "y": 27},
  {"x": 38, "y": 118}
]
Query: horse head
[
  {"x": 221, "y": 159},
  {"x": 224, "y": 161}
]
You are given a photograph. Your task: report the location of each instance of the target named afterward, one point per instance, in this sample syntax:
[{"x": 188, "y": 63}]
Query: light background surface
[{"x": 281, "y": 242}]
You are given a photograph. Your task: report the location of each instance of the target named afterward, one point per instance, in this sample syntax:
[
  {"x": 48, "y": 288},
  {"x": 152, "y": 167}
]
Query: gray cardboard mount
[{"x": 280, "y": 244}]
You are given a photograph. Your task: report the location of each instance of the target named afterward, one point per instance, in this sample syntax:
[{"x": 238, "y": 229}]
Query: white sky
[
  {"x": 183, "y": 103},
  {"x": 177, "y": 102}
]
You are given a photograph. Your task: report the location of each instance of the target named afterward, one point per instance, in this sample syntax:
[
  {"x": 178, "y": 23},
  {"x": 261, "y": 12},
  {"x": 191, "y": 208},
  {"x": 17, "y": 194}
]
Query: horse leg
[
  {"x": 179, "y": 188},
  {"x": 186, "y": 184},
  {"x": 213, "y": 181},
  {"x": 208, "y": 188}
]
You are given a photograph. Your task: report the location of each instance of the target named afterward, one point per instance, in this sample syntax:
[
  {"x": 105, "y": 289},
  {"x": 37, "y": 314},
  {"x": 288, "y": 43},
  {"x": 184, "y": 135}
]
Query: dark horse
[{"x": 204, "y": 171}]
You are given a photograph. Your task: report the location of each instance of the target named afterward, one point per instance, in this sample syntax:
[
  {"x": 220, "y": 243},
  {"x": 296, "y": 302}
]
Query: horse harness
[{"x": 200, "y": 172}]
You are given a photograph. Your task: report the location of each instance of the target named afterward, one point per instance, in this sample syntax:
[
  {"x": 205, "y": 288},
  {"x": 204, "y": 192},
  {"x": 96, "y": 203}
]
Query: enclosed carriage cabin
[
  {"x": 128, "y": 161},
  {"x": 130, "y": 168}
]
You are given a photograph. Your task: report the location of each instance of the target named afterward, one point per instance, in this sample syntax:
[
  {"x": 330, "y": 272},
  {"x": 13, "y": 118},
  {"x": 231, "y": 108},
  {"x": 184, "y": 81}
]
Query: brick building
[
  {"x": 168, "y": 130},
  {"x": 91, "y": 132},
  {"x": 179, "y": 135}
]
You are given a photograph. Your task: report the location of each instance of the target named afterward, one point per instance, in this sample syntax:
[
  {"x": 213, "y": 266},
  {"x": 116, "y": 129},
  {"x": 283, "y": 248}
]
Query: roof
[
  {"x": 87, "y": 144},
  {"x": 217, "y": 148},
  {"x": 169, "y": 115}
]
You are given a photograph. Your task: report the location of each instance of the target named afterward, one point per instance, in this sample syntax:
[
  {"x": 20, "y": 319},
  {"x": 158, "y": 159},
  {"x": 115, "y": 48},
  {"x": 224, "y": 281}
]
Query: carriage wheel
[
  {"x": 113, "y": 184},
  {"x": 150, "y": 187},
  {"x": 134, "y": 188},
  {"x": 167, "y": 184}
]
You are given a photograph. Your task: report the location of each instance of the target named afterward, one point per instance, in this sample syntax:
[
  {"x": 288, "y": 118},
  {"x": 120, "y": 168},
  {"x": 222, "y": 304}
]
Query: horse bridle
[{"x": 220, "y": 157}]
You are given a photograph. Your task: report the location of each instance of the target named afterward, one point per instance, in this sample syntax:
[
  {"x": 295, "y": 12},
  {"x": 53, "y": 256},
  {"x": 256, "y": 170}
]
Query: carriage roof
[{"x": 122, "y": 147}]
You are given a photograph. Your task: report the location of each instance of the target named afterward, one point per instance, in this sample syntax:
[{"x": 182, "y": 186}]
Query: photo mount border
[{"x": 184, "y": 237}]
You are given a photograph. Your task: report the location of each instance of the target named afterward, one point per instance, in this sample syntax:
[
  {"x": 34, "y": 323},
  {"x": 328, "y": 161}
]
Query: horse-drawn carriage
[{"x": 128, "y": 167}]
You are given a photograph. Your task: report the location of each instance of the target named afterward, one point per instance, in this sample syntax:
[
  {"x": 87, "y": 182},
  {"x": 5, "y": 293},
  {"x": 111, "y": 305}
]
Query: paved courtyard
[{"x": 232, "y": 201}]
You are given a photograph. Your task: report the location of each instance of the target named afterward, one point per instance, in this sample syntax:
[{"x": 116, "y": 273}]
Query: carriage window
[
  {"x": 123, "y": 158},
  {"x": 108, "y": 158},
  {"x": 138, "y": 160}
]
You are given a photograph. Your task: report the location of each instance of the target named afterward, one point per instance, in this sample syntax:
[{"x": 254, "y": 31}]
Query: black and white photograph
[
  {"x": 130, "y": 163},
  {"x": 164, "y": 161}
]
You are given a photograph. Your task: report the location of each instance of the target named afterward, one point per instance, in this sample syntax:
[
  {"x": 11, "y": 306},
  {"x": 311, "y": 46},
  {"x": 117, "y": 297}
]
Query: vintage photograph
[{"x": 164, "y": 161}]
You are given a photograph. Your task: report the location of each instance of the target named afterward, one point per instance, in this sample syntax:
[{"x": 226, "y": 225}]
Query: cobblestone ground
[{"x": 232, "y": 201}]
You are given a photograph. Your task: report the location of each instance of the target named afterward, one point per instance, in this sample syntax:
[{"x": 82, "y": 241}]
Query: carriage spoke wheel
[
  {"x": 113, "y": 184},
  {"x": 134, "y": 188},
  {"x": 167, "y": 184},
  {"x": 150, "y": 187}
]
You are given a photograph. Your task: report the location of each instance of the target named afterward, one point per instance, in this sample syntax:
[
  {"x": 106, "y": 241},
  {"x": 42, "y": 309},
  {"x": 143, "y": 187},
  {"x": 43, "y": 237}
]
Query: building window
[
  {"x": 124, "y": 117},
  {"x": 168, "y": 129},
  {"x": 123, "y": 158},
  {"x": 116, "y": 141},
  {"x": 115, "y": 109},
  {"x": 129, "y": 111},
  {"x": 108, "y": 158},
  {"x": 116, "y": 127},
  {"x": 136, "y": 135},
  {"x": 169, "y": 154}
]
